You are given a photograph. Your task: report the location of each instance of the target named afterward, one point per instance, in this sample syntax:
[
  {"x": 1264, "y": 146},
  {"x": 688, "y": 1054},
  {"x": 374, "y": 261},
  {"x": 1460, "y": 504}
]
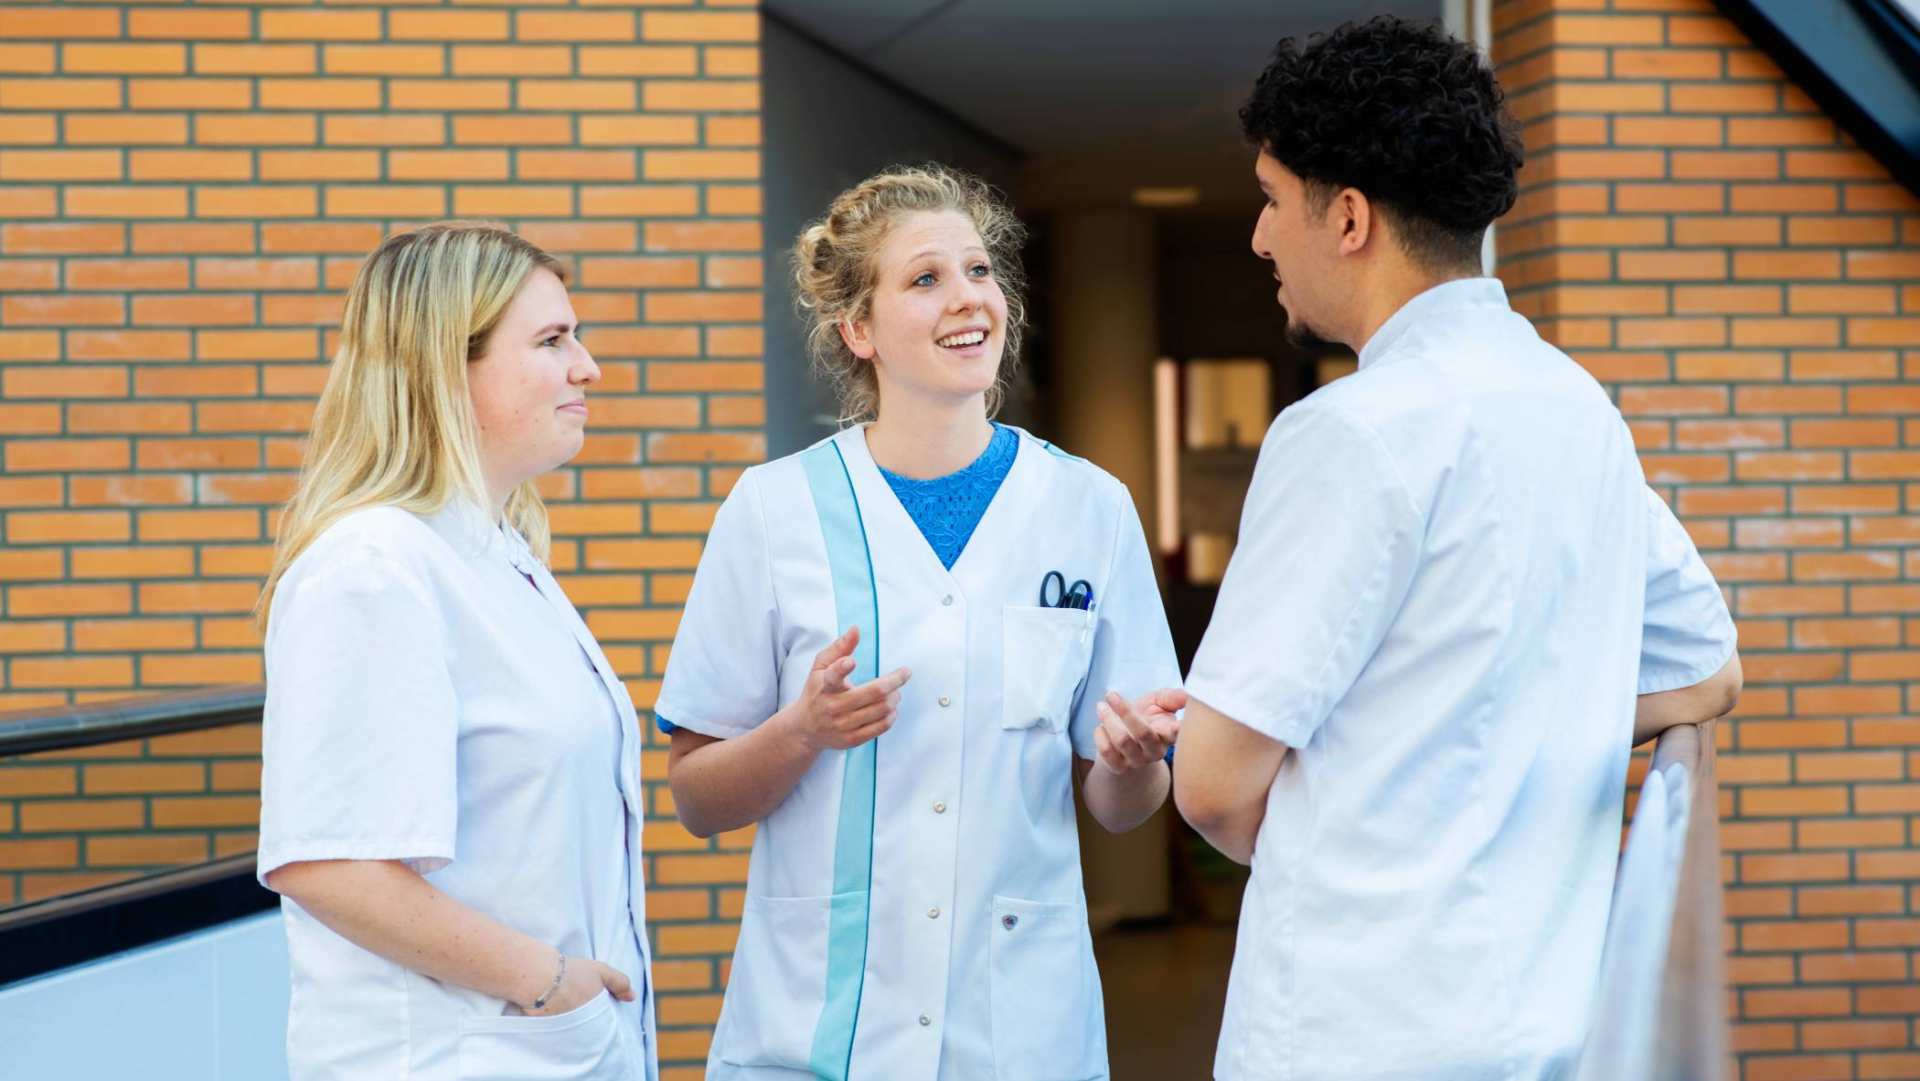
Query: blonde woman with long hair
[
  {"x": 451, "y": 805},
  {"x": 914, "y": 907}
]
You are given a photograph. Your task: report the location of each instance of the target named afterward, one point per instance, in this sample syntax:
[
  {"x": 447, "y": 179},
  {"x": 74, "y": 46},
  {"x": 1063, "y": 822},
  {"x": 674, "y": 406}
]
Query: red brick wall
[
  {"x": 1699, "y": 234},
  {"x": 185, "y": 193}
]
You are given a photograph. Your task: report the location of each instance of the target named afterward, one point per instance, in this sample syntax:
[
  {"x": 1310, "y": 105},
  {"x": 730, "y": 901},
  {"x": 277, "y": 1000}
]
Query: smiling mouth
[{"x": 962, "y": 339}]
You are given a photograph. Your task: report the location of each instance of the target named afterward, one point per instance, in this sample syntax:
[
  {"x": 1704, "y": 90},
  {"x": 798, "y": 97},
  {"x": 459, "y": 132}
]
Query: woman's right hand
[
  {"x": 829, "y": 715},
  {"x": 585, "y": 979}
]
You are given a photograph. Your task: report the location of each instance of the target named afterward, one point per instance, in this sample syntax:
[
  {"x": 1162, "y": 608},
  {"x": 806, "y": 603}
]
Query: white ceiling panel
[
  {"x": 1155, "y": 83},
  {"x": 855, "y": 27}
]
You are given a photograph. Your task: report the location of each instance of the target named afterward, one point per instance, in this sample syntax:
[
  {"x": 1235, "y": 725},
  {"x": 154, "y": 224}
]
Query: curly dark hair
[{"x": 1405, "y": 113}]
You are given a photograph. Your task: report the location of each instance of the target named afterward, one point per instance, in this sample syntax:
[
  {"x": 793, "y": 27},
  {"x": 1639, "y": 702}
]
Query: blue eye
[
  {"x": 980, "y": 270},
  {"x": 924, "y": 279}
]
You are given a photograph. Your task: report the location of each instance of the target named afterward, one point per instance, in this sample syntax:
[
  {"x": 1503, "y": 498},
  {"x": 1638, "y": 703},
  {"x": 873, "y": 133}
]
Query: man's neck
[{"x": 1387, "y": 296}]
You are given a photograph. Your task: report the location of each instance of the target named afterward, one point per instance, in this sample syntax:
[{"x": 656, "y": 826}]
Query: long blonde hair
[
  {"x": 395, "y": 424},
  {"x": 835, "y": 270}
]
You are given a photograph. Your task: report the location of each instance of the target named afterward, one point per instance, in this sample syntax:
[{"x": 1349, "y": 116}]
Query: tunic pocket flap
[
  {"x": 1045, "y": 993},
  {"x": 778, "y": 990},
  {"x": 1044, "y": 655},
  {"x": 582, "y": 1043}
]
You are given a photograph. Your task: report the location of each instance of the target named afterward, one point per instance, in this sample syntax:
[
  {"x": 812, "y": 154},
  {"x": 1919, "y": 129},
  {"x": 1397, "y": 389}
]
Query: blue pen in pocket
[{"x": 1055, "y": 592}]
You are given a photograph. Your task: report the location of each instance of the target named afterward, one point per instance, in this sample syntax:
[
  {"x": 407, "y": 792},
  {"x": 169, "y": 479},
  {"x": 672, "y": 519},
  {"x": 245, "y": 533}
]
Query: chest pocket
[{"x": 1043, "y": 657}]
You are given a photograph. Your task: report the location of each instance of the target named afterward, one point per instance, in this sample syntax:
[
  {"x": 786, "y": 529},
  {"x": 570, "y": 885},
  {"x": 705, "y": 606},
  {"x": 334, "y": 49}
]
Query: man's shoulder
[
  {"x": 1364, "y": 406},
  {"x": 1428, "y": 387}
]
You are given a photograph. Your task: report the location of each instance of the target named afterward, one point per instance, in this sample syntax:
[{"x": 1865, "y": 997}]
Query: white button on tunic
[
  {"x": 1450, "y": 584},
  {"x": 426, "y": 704},
  {"x": 1023, "y": 681}
]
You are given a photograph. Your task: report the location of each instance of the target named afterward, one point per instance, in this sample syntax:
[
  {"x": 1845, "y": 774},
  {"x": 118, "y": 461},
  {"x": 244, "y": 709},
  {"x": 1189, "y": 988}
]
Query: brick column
[
  {"x": 1700, "y": 235},
  {"x": 185, "y": 194}
]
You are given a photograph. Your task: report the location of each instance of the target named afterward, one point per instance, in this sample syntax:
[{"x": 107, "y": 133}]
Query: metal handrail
[
  {"x": 1692, "y": 1044},
  {"x": 73, "y": 904},
  {"x": 60, "y": 728},
  {"x": 58, "y": 933}
]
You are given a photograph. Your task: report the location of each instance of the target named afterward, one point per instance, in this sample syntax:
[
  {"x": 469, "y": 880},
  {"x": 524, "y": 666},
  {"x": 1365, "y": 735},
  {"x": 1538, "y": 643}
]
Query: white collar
[
  {"x": 1457, "y": 295},
  {"x": 472, "y": 532}
]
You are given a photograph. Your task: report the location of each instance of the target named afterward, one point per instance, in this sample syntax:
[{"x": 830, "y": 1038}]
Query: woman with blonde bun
[
  {"x": 450, "y": 804},
  {"x": 901, "y": 647}
]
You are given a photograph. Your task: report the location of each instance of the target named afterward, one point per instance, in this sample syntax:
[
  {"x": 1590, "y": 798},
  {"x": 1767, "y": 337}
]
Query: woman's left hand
[{"x": 1136, "y": 734}]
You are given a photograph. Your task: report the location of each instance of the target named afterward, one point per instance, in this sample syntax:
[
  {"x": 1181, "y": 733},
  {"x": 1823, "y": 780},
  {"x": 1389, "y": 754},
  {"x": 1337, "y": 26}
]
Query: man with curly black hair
[
  {"x": 1406, "y": 131},
  {"x": 1454, "y": 606}
]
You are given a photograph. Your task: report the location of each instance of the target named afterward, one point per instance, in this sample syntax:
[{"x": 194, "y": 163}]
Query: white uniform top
[
  {"x": 426, "y": 704},
  {"x": 978, "y": 961},
  {"x": 1450, "y": 584}
]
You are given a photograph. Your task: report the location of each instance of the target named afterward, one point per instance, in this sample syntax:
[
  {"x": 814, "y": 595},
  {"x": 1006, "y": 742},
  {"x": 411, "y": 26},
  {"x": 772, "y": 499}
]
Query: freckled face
[
  {"x": 938, "y": 323},
  {"x": 529, "y": 388}
]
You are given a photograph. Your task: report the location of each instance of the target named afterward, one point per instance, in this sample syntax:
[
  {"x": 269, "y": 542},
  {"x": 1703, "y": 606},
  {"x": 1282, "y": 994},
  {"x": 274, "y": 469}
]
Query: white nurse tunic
[
  {"x": 1450, "y": 584},
  {"x": 426, "y": 703},
  {"x": 914, "y": 907}
]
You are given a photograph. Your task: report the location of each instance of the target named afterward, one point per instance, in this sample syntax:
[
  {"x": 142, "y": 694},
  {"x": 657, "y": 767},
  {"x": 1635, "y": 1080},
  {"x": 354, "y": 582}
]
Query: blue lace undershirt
[{"x": 948, "y": 509}]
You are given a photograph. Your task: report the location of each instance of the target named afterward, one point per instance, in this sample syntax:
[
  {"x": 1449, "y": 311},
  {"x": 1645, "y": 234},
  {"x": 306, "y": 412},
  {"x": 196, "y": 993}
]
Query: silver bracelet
[{"x": 541, "y": 1002}]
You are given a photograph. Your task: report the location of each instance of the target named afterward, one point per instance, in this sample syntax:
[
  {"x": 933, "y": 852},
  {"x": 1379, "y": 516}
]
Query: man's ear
[
  {"x": 858, "y": 338},
  {"x": 1357, "y": 221}
]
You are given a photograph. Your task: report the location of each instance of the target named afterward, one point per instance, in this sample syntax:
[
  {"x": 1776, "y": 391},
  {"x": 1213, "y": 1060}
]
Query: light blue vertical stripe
[{"x": 856, "y": 604}]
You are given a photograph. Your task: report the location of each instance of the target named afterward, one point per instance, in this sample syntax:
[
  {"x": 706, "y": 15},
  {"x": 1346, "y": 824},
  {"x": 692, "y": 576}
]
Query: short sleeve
[
  {"x": 361, "y": 720},
  {"x": 723, "y": 676},
  {"x": 1329, "y": 541},
  {"x": 1132, "y": 645},
  {"x": 1687, "y": 633}
]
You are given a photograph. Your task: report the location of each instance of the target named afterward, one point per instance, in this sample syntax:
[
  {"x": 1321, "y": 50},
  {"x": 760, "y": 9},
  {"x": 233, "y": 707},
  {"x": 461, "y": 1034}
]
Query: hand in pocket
[{"x": 584, "y": 979}]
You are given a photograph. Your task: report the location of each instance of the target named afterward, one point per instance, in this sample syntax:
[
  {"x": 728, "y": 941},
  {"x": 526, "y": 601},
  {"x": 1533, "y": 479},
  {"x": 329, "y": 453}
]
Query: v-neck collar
[
  {"x": 877, "y": 499},
  {"x": 555, "y": 605}
]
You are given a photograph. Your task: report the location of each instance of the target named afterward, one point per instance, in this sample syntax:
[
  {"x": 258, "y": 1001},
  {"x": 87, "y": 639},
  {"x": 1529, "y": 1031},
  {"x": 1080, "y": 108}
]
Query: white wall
[{"x": 210, "y": 1006}]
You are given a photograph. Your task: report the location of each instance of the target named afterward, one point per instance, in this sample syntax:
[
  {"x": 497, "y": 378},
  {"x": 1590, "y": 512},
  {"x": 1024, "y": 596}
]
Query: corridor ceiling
[{"x": 1102, "y": 96}]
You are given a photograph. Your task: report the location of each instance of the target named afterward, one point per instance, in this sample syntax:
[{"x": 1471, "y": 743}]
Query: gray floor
[{"x": 1165, "y": 987}]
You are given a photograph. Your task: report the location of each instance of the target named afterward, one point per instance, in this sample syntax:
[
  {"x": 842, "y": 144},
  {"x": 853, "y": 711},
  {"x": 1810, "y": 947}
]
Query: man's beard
[{"x": 1303, "y": 337}]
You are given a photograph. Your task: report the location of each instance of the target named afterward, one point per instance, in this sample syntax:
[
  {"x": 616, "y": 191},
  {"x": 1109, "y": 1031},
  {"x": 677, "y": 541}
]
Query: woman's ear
[{"x": 858, "y": 338}]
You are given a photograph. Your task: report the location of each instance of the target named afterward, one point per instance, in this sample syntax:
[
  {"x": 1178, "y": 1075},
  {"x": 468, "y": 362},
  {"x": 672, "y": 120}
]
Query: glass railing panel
[{"x": 93, "y": 811}]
